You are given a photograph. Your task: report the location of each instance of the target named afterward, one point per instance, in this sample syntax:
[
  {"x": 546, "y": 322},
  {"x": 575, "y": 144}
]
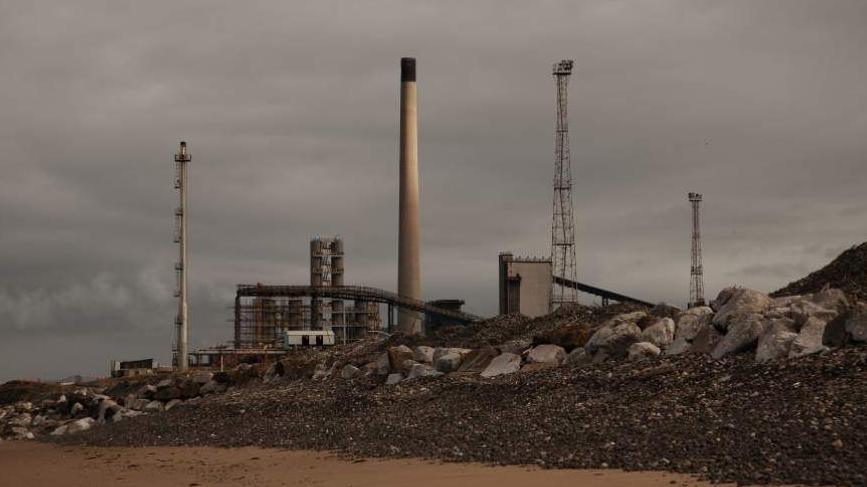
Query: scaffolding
[{"x": 262, "y": 315}]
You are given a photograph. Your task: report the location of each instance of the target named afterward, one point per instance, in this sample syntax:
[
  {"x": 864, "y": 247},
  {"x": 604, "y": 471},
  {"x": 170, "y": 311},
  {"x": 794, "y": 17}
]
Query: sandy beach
[{"x": 35, "y": 464}]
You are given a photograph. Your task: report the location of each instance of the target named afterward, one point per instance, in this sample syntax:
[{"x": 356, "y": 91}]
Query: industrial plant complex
[{"x": 271, "y": 320}]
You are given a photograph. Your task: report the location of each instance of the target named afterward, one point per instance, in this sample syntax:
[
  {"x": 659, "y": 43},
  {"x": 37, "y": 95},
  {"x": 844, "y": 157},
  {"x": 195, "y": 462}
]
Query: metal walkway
[
  {"x": 602, "y": 293},
  {"x": 355, "y": 293}
]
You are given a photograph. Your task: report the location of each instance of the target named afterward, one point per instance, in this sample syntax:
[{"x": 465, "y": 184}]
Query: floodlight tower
[
  {"x": 563, "y": 227},
  {"x": 182, "y": 158},
  {"x": 696, "y": 275}
]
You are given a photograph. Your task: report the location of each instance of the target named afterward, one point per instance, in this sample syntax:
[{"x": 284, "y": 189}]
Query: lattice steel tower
[
  {"x": 563, "y": 227},
  {"x": 181, "y": 160},
  {"x": 696, "y": 274}
]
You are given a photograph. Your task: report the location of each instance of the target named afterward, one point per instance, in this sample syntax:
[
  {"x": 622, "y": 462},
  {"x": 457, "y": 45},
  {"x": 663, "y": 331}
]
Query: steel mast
[
  {"x": 182, "y": 158},
  {"x": 563, "y": 226},
  {"x": 696, "y": 273}
]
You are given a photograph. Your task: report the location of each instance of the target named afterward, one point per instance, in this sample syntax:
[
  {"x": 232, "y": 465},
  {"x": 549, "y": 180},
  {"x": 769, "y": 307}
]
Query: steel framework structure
[
  {"x": 696, "y": 273},
  {"x": 182, "y": 158},
  {"x": 355, "y": 293},
  {"x": 563, "y": 225}
]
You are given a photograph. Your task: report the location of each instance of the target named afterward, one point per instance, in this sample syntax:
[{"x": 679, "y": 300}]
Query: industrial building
[
  {"x": 261, "y": 315},
  {"x": 525, "y": 285}
]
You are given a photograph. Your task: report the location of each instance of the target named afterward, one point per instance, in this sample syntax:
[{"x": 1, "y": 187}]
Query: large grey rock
[
  {"x": 123, "y": 414},
  {"x": 547, "y": 354},
  {"x": 734, "y": 304},
  {"x": 478, "y": 360},
  {"x": 393, "y": 378},
  {"x": 107, "y": 408},
  {"x": 742, "y": 335},
  {"x": 60, "y": 430},
  {"x": 642, "y": 350},
  {"x": 154, "y": 407},
  {"x": 422, "y": 370},
  {"x": 448, "y": 362},
  {"x": 349, "y": 371},
  {"x": 687, "y": 326},
  {"x": 856, "y": 326},
  {"x": 398, "y": 356},
  {"x": 776, "y": 339},
  {"x": 423, "y": 354},
  {"x": 505, "y": 363},
  {"x": 615, "y": 339},
  {"x": 440, "y": 351},
  {"x": 578, "y": 356},
  {"x": 809, "y": 339},
  {"x": 82, "y": 424},
  {"x": 660, "y": 333}
]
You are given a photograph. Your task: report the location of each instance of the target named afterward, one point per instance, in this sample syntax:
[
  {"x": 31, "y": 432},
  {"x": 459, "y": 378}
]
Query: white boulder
[
  {"x": 547, "y": 354},
  {"x": 660, "y": 333},
  {"x": 448, "y": 362},
  {"x": 809, "y": 339},
  {"x": 422, "y": 370},
  {"x": 505, "y": 363},
  {"x": 82, "y": 424},
  {"x": 743, "y": 334},
  {"x": 614, "y": 340},
  {"x": 687, "y": 327},
  {"x": 423, "y": 354},
  {"x": 776, "y": 339},
  {"x": 642, "y": 350},
  {"x": 735, "y": 303},
  {"x": 154, "y": 407}
]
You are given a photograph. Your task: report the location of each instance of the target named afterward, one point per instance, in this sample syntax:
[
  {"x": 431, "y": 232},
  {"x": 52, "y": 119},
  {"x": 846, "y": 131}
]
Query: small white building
[{"x": 307, "y": 338}]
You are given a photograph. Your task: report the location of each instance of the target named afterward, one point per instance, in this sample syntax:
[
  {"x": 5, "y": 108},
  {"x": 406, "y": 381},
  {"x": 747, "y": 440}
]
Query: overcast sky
[{"x": 290, "y": 111}]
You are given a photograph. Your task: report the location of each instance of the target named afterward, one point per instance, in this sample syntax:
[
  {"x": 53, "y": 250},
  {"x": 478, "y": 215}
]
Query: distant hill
[{"x": 847, "y": 272}]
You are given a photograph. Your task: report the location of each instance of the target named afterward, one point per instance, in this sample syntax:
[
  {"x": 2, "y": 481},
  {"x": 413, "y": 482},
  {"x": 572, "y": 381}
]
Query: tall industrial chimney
[
  {"x": 181, "y": 160},
  {"x": 408, "y": 268}
]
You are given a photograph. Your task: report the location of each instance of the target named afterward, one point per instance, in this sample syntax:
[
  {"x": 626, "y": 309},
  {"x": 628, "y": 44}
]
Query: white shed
[{"x": 307, "y": 338}]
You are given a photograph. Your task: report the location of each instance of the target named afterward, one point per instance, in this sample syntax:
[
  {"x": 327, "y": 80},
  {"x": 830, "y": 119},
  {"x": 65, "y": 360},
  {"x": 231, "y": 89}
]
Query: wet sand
[{"x": 35, "y": 464}]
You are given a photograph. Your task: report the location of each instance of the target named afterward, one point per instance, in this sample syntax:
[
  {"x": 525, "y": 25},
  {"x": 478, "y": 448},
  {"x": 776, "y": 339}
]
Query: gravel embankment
[{"x": 797, "y": 421}]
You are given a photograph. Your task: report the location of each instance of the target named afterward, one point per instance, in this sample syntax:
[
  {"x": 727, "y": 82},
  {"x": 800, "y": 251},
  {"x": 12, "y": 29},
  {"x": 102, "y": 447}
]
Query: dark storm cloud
[{"x": 290, "y": 112}]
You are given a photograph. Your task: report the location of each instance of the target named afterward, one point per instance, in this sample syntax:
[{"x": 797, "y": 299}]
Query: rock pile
[
  {"x": 787, "y": 421},
  {"x": 848, "y": 272},
  {"x": 739, "y": 320},
  {"x": 81, "y": 408}
]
